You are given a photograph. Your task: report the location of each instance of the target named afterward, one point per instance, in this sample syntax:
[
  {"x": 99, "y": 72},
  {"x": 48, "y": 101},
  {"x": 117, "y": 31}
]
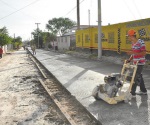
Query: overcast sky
[{"x": 20, "y": 16}]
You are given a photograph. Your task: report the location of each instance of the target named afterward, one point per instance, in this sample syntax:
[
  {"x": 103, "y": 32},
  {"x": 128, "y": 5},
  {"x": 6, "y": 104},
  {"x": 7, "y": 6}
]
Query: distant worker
[
  {"x": 24, "y": 47},
  {"x": 1, "y": 52},
  {"x": 33, "y": 48},
  {"x": 137, "y": 54},
  {"x": 27, "y": 51}
]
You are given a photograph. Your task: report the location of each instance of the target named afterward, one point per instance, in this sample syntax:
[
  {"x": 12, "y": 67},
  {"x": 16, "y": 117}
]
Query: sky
[{"x": 20, "y": 16}]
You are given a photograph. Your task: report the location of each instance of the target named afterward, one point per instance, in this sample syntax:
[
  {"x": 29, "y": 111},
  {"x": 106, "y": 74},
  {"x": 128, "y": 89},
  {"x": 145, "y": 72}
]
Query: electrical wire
[
  {"x": 91, "y": 3},
  {"x": 8, "y": 4},
  {"x": 73, "y": 8},
  {"x": 18, "y": 9},
  {"x": 129, "y": 9},
  {"x": 137, "y": 8}
]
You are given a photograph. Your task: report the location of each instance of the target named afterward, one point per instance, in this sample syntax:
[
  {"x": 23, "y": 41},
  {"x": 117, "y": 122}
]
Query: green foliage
[
  {"x": 35, "y": 34},
  {"x": 4, "y": 39},
  {"x": 32, "y": 42},
  {"x": 49, "y": 46},
  {"x": 48, "y": 37},
  {"x": 4, "y": 31},
  {"x": 17, "y": 42},
  {"x": 60, "y": 25}
]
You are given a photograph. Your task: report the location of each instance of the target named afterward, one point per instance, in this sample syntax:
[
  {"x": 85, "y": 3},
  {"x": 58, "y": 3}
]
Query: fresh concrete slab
[{"x": 80, "y": 76}]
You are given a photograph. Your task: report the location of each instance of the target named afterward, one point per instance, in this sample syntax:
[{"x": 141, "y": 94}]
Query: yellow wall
[
  {"x": 79, "y": 38},
  {"x": 114, "y": 36}
]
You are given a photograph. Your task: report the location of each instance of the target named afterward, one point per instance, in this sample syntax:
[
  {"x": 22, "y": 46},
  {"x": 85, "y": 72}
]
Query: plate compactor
[{"x": 117, "y": 86}]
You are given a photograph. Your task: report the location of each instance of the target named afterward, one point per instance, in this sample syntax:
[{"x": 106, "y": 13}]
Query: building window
[
  {"x": 87, "y": 38},
  {"x": 111, "y": 38},
  {"x": 78, "y": 38}
]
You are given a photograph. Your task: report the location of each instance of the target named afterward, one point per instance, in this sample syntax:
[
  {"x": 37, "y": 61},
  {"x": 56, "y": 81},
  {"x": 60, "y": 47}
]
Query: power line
[
  {"x": 7, "y": 4},
  {"x": 91, "y": 4},
  {"x": 73, "y": 8},
  {"x": 137, "y": 8},
  {"x": 18, "y": 10},
  {"x": 129, "y": 9}
]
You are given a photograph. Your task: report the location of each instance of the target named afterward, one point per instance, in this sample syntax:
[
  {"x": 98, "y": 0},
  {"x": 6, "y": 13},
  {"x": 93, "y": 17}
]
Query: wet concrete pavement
[{"x": 80, "y": 76}]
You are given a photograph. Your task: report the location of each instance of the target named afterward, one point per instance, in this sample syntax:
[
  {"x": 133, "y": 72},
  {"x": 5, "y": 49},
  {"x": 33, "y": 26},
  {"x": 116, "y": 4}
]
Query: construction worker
[
  {"x": 1, "y": 52},
  {"x": 137, "y": 54},
  {"x": 33, "y": 48}
]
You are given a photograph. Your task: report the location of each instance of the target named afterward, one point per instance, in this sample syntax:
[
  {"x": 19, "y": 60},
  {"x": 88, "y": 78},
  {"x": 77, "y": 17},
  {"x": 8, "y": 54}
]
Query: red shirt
[
  {"x": 1, "y": 51},
  {"x": 137, "y": 47}
]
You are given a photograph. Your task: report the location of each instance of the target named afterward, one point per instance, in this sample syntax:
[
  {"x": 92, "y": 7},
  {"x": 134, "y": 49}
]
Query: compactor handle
[{"x": 127, "y": 61}]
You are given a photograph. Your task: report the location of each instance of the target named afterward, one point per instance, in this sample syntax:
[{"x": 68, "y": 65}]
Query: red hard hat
[{"x": 131, "y": 32}]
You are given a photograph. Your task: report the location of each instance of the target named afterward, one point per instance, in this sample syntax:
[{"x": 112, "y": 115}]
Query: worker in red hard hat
[
  {"x": 131, "y": 33},
  {"x": 137, "y": 53}
]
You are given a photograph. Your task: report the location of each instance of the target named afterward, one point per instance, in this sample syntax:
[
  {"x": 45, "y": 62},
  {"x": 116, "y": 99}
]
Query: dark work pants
[
  {"x": 0, "y": 56},
  {"x": 138, "y": 78}
]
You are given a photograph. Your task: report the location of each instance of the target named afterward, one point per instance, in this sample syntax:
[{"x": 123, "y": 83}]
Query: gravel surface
[
  {"x": 23, "y": 99},
  {"x": 112, "y": 59}
]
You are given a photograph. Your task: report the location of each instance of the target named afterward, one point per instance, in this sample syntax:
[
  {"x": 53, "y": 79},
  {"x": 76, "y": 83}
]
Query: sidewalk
[
  {"x": 81, "y": 75},
  {"x": 112, "y": 59}
]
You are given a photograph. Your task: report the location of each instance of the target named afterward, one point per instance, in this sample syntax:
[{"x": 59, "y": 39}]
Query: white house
[{"x": 66, "y": 41}]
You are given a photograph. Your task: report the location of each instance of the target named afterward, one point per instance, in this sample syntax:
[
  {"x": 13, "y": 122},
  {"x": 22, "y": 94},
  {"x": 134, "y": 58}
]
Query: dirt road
[{"x": 23, "y": 101}]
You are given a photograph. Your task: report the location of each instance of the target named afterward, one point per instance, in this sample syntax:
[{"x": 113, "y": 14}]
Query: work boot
[
  {"x": 133, "y": 95},
  {"x": 141, "y": 93}
]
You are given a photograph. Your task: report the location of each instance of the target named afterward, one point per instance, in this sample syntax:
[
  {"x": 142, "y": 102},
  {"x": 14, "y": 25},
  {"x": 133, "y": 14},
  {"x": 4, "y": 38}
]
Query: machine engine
[{"x": 113, "y": 83}]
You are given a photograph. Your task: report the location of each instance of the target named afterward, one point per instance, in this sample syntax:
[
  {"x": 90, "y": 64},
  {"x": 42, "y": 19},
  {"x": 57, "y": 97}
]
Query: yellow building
[{"x": 114, "y": 36}]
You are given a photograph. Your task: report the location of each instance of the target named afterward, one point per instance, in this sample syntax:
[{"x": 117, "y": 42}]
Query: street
[
  {"x": 81, "y": 75},
  {"x": 23, "y": 100}
]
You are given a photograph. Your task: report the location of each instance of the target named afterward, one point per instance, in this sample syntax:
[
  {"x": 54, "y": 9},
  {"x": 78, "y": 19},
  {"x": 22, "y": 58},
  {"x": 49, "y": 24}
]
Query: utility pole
[
  {"x": 99, "y": 30},
  {"x": 38, "y": 32},
  {"x": 89, "y": 17},
  {"x": 89, "y": 30},
  {"x": 14, "y": 41},
  {"x": 78, "y": 14},
  {"x": 14, "y": 37}
]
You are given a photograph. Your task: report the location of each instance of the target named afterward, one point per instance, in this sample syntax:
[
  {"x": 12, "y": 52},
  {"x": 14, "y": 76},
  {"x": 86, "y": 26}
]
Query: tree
[
  {"x": 60, "y": 25},
  {"x": 17, "y": 42},
  {"x": 48, "y": 37},
  {"x": 4, "y": 31},
  {"x": 4, "y": 38},
  {"x": 37, "y": 33}
]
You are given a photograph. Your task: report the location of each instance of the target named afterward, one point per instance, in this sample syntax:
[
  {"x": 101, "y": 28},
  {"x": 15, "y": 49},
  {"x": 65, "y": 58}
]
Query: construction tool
[{"x": 117, "y": 86}]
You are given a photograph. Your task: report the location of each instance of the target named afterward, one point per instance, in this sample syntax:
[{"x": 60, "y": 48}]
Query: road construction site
[
  {"x": 80, "y": 75},
  {"x": 29, "y": 94}
]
